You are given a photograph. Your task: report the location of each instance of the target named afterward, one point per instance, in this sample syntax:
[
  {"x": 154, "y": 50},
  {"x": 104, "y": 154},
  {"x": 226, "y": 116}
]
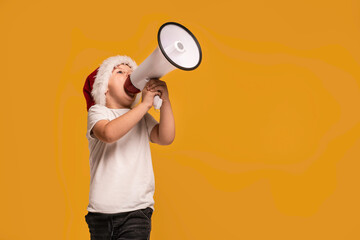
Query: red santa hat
[{"x": 96, "y": 83}]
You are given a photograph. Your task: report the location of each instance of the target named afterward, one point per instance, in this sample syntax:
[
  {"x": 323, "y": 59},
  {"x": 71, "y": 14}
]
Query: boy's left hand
[{"x": 156, "y": 84}]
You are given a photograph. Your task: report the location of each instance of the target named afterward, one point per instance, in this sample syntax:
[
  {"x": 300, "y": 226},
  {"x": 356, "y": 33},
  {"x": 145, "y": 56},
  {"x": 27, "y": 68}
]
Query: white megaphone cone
[{"x": 177, "y": 48}]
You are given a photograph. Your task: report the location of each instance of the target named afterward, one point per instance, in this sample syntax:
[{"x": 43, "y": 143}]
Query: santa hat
[{"x": 96, "y": 83}]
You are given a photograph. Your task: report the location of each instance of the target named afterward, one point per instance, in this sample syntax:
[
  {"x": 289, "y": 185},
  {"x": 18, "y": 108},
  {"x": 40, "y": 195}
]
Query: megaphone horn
[{"x": 177, "y": 48}]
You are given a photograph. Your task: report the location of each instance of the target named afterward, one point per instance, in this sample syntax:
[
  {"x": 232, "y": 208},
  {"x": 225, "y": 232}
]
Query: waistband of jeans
[{"x": 117, "y": 214}]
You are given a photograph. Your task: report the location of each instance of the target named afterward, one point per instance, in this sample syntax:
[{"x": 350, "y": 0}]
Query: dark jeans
[{"x": 120, "y": 226}]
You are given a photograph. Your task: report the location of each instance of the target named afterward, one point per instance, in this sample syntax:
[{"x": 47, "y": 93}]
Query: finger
[
  {"x": 147, "y": 87},
  {"x": 154, "y": 93},
  {"x": 154, "y": 82},
  {"x": 157, "y": 88},
  {"x": 151, "y": 91},
  {"x": 157, "y": 93},
  {"x": 150, "y": 82}
]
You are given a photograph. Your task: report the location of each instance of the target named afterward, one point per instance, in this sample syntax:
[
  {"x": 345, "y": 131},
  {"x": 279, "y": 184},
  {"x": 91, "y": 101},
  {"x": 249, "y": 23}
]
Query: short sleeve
[
  {"x": 150, "y": 123},
  {"x": 95, "y": 114}
]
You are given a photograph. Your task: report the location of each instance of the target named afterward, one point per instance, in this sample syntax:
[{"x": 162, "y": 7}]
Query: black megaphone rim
[{"x": 168, "y": 58}]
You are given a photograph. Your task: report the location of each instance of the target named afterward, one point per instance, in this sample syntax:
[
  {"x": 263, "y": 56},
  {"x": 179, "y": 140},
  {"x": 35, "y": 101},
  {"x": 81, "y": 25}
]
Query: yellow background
[{"x": 267, "y": 128}]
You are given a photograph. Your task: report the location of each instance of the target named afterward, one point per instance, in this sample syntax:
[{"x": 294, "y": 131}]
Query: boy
[{"x": 121, "y": 175}]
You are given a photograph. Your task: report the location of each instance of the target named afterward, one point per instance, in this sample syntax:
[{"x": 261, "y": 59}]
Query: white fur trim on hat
[{"x": 103, "y": 75}]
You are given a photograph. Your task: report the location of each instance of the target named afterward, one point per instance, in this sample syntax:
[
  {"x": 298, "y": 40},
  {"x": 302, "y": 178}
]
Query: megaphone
[{"x": 177, "y": 48}]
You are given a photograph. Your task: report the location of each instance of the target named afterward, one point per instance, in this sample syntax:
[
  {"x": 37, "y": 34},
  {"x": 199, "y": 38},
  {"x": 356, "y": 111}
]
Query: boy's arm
[
  {"x": 164, "y": 132},
  {"x": 111, "y": 131}
]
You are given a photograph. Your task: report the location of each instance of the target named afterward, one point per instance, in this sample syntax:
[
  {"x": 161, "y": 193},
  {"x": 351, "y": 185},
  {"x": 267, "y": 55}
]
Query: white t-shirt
[{"x": 121, "y": 173}]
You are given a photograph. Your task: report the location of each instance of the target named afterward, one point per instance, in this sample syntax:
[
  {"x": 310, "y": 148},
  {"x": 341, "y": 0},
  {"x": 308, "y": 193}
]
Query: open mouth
[{"x": 131, "y": 95}]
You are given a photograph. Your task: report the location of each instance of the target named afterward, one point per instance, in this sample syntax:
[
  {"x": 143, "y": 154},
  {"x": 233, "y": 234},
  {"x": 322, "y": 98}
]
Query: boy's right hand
[{"x": 148, "y": 96}]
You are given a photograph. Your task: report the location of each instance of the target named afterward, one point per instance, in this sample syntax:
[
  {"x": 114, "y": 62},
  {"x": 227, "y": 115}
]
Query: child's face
[{"x": 116, "y": 97}]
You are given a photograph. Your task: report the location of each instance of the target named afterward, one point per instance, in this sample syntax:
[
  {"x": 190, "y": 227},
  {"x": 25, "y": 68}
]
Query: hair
[{"x": 103, "y": 75}]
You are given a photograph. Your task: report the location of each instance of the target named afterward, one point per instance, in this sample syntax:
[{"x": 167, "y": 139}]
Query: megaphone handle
[{"x": 157, "y": 102}]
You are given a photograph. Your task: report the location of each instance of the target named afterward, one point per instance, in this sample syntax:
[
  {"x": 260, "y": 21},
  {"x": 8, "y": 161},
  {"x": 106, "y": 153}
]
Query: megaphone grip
[{"x": 157, "y": 102}]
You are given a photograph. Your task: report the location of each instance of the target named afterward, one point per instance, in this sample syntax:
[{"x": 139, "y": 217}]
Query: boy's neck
[{"x": 114, "y": 105}]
